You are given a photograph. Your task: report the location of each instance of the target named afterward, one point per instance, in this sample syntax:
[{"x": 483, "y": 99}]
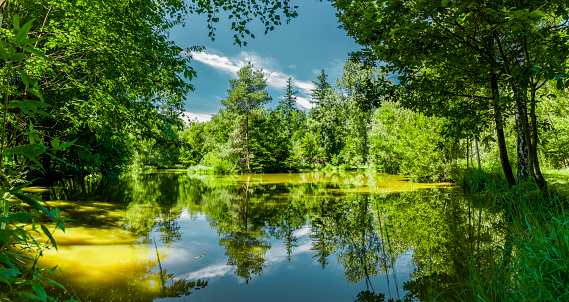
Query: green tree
[
  {"x": 326, "y": 118},
  {"x": 20, "y": 148},
  {"x": 322, "y": 86},
  {"x": 110, "y": 72},
  {"x": 406, "y": 142},
  {"x": 246, "y": 96},
  {"x": 193, "y": 142},
  {"x": 511, "y": 47},
  {"x": 287, "y": 109}
]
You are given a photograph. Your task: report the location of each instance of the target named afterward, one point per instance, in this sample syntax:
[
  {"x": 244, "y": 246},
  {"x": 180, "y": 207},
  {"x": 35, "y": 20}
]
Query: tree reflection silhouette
[
  {"x": 245, "y": 245},
  {"x": 365, "y": 233}
]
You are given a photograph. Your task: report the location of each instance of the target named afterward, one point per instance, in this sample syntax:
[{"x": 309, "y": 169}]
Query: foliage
[
  {"x": 245, "y": 100},
  {"x": 20, "y": 275},
  {"x": 110, "y": 75},
  {"x": 409, "y": 143},
  {"x": 240, "y": 13},
  {"x": 193, "y": 141},
  {"x": 472, "y": 62},
  {"x": 532, "y": 262},
  {"x": 309, "y": 150}
]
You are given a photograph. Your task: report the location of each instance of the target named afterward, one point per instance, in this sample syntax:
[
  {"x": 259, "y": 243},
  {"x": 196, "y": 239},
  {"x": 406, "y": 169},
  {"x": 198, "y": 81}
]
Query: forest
[{"x": 473, "y": 93}]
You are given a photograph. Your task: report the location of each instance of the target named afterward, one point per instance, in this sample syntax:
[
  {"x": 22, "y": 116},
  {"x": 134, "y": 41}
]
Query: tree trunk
[
  {"x": 525, "y": 161},
  {"x": 247, "y": 140},
  {"x": 506, "y": 167},
  {"x": 467, "y": 153},
  {"x": 539, "y": 179},
  {"x": 478, "y": 154}
]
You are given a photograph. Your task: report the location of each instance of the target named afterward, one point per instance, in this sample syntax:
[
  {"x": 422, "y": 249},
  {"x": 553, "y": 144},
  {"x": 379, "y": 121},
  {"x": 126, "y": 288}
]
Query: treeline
[
  {"x": 359, "y": 122},
  {"x": 351, "y": 124}
]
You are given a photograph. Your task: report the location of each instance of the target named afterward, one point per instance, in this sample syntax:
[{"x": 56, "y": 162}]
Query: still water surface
[{"x": 174, "y": 236}]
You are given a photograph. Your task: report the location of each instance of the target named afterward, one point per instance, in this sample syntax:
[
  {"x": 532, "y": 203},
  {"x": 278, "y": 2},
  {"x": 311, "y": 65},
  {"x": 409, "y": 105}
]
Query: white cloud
[
  {"x": 201, "y": 117},
  {"x": 215, "y": 270},
  {"x": 223, "y": 64},
  {"x": 303, "y": 103},
  {"x": 276, "y": 78}
]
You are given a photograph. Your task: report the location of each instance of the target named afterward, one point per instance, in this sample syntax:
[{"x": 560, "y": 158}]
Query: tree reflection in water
[{"x": 363, "y": 230}]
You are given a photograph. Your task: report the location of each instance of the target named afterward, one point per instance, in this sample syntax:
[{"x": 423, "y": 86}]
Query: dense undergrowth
[{"x": 532, "y": 261}]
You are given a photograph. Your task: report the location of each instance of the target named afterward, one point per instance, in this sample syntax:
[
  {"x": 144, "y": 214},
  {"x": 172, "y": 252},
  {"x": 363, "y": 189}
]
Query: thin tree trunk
[
  {"x": 247, "y": 141},
  {"x": 539, "y": 179},
  {"x": 525, "y": 161},
  {"x": 506, "y": 167},
  {"x": 478, "y": 154},
  {"x": 467, "y": 153}
]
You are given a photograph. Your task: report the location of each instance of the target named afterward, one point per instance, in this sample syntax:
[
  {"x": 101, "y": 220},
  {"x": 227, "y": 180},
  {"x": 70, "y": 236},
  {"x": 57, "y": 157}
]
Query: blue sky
[{"x": 300, "y": 49}]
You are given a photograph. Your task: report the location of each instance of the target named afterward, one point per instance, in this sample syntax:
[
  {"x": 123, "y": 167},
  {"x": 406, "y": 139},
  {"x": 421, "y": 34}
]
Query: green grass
[
  {"x": 532, "y": 264},
  {"x": 199, "y": 169},
  {"x": 558, "y": 179}
]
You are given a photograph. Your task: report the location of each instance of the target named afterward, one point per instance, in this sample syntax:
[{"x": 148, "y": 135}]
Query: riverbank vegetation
[{"x": 468, "y": 92}]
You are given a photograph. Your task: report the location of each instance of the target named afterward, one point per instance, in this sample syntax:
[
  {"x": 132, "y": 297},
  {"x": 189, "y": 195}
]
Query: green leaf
[
  {"x": 23, "y": 32},
  {"x": 61, "y": 160},
  {"x": 33, "y": 203},
  {"x": 36, "y": 52},
  {"x": 37, "y": 94},
  {"x": 25, "y": 78},
  {"x": 41, "y": 112},
  {"x": 29, "y": 151},
  {"x": 16, "y": 22},
  {"x": 31, "y": 41},
  {"x": 67, "y": 145},
  {"x": 29, "y": 104},
  {"x": 48, "y": 234},
  {"x": 20, "y": 217},
  {"x": 536, "y": 14},
  {"x": 56, "y": 283},
  {"x": 9, "y": 273},
  {"x": 18, "y": 57},
  {"x": 3, "y": 53},
  {"x": 39, "y": 290},
  {"x": 4, "y": 236},
  {"x": 444, "y": 3}
]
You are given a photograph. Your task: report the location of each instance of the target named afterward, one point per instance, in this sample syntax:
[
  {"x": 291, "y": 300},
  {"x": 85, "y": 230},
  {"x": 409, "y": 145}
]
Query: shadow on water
[{"x": 375, "y": 228}]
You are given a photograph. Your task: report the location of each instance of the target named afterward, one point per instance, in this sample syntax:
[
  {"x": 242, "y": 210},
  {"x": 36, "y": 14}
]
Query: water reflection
[{"x": 336, "y": 237}]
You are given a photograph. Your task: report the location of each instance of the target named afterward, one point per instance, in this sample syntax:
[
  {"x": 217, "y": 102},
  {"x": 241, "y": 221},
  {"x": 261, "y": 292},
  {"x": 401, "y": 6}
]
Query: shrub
[{"x": 408, "y": 143}]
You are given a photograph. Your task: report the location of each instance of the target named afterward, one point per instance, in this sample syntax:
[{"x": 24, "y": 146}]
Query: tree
[
  {"x": 322, "y": 86},
  {"x": 287, "y": 108},
  {"x": 246, "y": 96},
  {"x": 359, "y": 94},
  {"x": 109, "y": 71},
  {"x": 442, "y": 47},
  {"x": 241, "y": 13}
]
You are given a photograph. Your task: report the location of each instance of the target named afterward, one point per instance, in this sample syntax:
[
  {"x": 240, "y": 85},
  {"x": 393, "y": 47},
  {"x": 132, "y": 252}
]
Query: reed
[{"x": 533, "y": 262}]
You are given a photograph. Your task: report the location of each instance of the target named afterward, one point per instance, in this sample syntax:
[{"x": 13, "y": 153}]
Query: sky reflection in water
[{"x": 271, "y": 237}]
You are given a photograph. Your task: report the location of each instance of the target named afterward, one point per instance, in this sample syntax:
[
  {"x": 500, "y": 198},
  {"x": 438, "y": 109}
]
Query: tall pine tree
[
  {"x": 246, "y": 94},
  {"x": 287, "y": 108},
  {"x": 319, "y": 93}
]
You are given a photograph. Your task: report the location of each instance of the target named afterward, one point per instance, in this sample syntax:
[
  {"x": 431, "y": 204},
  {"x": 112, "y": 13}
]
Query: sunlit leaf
[{"x": 48, "y": 234}]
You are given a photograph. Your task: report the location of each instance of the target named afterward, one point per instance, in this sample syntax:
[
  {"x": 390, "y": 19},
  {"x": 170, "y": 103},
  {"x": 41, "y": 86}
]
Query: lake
[{"x": 175, "y": 236}]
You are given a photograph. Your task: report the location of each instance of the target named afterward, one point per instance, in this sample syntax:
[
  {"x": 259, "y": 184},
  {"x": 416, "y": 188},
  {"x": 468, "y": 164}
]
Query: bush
[
  {"x": 476, "y": 181},
  {"x": 409, "y": 143}
]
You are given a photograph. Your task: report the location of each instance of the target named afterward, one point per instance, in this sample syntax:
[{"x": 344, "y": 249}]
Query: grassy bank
[{"x": 532, "y": 261}]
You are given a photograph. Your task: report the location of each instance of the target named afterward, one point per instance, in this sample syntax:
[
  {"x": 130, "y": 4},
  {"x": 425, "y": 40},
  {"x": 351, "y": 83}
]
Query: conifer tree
[
  {"x": 319, "y": 93},
  {"x": 246, "y": 94},
  {"x": 287, "y": 108}
]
